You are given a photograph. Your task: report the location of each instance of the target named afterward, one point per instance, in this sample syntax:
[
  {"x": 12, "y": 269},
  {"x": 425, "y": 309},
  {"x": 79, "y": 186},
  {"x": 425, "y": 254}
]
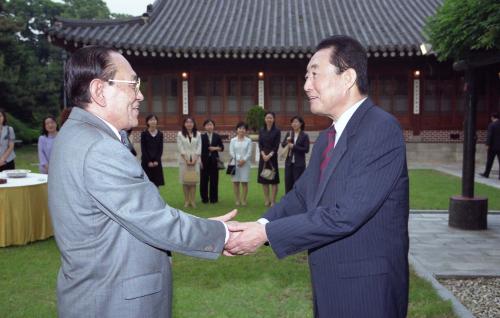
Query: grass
[
  {"x": 430, "y": 189},
  {"x": 253, "y": 286}
]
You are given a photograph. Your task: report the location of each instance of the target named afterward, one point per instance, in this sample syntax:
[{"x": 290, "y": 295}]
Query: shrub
[
  {"x": 255, "y": 118},
  {"x": 22, "y": 131}
]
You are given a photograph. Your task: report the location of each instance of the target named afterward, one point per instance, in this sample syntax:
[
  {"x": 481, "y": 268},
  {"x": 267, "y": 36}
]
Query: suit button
[{"x": 209, "y": 248}]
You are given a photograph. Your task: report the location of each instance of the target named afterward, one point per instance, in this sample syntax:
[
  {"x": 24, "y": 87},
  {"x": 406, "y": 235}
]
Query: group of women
[
  {"x": 198, "y": 156},
  {"x": 200, "y": 153}
]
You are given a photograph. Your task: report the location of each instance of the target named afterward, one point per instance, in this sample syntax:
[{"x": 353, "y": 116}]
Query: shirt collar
[
  {"x": 111, "y": 127},
  {"x": 342, "y": 121}
]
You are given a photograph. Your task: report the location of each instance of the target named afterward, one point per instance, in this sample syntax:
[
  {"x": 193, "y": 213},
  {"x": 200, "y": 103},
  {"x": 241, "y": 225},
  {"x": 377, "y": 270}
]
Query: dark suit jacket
[
  {"x": 299, "y": 150},
  {"x": 493, "y": 137},
  {"x": 354, "y": 223},
  {"x": 208, "y": 157}
]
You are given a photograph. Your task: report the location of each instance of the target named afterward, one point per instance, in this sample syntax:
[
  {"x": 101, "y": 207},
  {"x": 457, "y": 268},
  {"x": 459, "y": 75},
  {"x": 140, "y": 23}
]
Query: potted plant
[{"x": 255, "y": 120}]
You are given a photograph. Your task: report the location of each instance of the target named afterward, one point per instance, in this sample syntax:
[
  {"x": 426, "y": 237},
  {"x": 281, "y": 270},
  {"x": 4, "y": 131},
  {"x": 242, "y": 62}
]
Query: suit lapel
[
  {"x": 341, "y": 147},
  {"x": 337, "y": 154}
]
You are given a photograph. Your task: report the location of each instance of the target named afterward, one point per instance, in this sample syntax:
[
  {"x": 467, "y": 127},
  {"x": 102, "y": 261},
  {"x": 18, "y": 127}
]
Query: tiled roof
[{"x": 255, "y": 28}]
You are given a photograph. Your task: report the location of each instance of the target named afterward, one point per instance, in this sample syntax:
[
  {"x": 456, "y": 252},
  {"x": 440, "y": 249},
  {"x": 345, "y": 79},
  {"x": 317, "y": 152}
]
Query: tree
[
  {"x": 86, "y": 9},
  {"x": 30, "y": 67},
  {"x": 467, "y": 31},
  {"x": 461, "y": 28}
]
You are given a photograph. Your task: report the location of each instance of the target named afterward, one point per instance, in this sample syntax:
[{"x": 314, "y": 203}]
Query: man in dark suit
[
  {"x": 350, "y": 208},
  {"x": 492, "y": 144},
  {"x": 211, "y": 144}
]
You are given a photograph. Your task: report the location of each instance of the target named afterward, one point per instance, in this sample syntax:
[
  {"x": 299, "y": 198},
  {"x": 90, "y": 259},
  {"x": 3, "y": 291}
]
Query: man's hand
[
  {"x": 252, "y": 236},
  {"x": 226, "y": 217}
]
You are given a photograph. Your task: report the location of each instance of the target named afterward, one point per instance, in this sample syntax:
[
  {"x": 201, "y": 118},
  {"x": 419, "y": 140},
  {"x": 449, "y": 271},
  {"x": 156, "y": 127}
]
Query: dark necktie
[
  {"x": 123, "y": 138},
  {"x": 327, "y": 154}
]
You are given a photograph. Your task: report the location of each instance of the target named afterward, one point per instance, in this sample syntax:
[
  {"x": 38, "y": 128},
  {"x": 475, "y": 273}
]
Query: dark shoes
[{"x": 484, "y": 175}]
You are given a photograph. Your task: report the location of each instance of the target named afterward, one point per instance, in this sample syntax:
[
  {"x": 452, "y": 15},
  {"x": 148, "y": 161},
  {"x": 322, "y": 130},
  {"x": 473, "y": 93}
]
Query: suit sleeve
[
  {"x": 180, "y": 144},
  {"x": 293, "y": 202},
  {"x": 118, "y": 187},
  {"x": 373, "y": 175},
  {"x": 302, "y": 146},
  {"x": 159, "y": 152},
  {"x": 42, "y": 155},
  {"x": 276, "y": 141},
  {"x": 489, "y": 135},
  {"x": 220, "y": 143},
  {"x": 248, "y": 152},
  {"x": 198, "y": 145},
  {"x": 285, "y": 141},
  {"x": 145, "y": 154}
]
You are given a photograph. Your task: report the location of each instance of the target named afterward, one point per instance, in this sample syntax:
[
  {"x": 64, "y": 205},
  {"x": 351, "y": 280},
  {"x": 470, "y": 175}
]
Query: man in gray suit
[{"x": 111, "y": 225}]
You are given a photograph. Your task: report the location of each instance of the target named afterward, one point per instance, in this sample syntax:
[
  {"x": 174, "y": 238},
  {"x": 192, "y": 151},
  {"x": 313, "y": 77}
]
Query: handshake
[{"x": 244, "y": 237}]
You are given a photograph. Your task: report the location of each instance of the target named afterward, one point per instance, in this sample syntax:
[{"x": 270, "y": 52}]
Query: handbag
[
  {"x": 190, "y": 176},
  {"x": 268, "y": 173},
  {"x": 220, "y": 164},
  {"x": 231, "y": 169}
]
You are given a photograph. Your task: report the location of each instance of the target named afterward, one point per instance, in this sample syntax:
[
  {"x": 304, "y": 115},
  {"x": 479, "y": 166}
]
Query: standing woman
[
  {"x": 296, "y": 143},
  {"x": 240, "y": 150},
  {"x": 269, "y": 142},
  {"x": 211, "y": 144},
  {"x": 189, "y": 147},
  {"x": 152, "y": 150},
  {"x": 7, "y": 138},
  {"x": 45, "y": 142}
]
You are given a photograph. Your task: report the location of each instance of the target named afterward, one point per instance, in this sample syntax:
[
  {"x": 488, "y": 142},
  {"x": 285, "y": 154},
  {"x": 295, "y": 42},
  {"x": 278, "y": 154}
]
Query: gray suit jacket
[{"x": 113, "y": 228}]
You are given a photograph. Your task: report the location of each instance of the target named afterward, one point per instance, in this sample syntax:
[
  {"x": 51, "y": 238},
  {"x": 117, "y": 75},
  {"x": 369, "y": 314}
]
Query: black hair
[
  {"x": 241, "y": 124},
  {"x": 4, "y": 117},
  {"x": 85, "y": 65},
  {"x": 149, "y": 117},
  {"x": 44, "y": 130},
  {"x": 268, "y": 112},
  {"x": 494, "y": 115},
  {"x": 301, "y": 121},
  {"x": 184, "y": 130},
  {"x": 348, "y": 53},
  {"x": 208, "y": 121}
]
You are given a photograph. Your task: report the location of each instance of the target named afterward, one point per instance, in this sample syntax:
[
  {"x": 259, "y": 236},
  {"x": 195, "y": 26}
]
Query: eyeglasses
[{"x": 136, "y": 83}]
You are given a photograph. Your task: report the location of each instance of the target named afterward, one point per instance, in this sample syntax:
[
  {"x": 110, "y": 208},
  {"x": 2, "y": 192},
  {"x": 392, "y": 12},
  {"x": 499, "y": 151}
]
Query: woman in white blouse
[
  {"x": 189, "y": 147},
  {"x": 240, "y": 150}
]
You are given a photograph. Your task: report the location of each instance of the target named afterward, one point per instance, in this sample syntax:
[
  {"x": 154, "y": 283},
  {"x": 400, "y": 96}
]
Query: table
[{"x": 24, "y": 210}]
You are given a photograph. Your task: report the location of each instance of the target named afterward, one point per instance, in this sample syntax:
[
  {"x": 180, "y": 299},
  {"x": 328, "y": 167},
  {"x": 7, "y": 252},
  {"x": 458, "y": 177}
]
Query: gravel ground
[{"x": 480, "y": 295}]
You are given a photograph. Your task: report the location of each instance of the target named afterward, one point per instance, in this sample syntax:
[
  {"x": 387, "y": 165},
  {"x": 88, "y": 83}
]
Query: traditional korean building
[{"x": 217, "y": 58}]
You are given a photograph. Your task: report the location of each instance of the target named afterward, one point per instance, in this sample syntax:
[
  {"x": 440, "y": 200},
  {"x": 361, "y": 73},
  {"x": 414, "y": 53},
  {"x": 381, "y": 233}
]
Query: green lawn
[
  {"x": 258, "y": 286},
  {"x": 253, "y": 286}
]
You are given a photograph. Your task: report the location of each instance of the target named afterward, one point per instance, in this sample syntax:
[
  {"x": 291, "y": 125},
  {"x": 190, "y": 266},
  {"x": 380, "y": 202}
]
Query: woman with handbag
[
  {"x": 7, "y": 138},
  {"x": 152, "y": 150},
  {"x": 240, "y": 149},
  {"x": 295, "y": 145},
  {"x": 189, "y": 147},
  {"x": 268, "y": 174},
  {"x": 211, "y": 145}
]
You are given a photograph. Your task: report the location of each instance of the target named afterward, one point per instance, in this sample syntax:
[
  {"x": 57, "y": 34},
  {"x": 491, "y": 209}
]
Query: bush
[
  {"x": 22, "y": 131},
  {"x": 255, "y": 118}
]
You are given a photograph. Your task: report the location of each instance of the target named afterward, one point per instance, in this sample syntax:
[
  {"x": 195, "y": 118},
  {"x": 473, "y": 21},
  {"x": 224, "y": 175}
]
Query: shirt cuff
[
  {"x": 263, "y": 221},
  {"x": 227, "y": 233}
]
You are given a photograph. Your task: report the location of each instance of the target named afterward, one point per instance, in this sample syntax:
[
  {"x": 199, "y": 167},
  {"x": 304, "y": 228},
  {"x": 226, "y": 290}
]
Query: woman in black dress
[
  {"x": 269, "y": 142},
  {"x": 152, "y": 150}
]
